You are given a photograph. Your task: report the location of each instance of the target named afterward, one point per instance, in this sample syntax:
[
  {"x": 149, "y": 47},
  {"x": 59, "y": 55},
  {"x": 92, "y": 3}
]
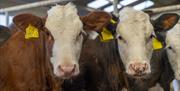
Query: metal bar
[
  {"x": 115, "y": 4},
  {"x": 7, "y": 18},
  {"x": 167, "y": 8},
  {"x": 31, "y": 5}
]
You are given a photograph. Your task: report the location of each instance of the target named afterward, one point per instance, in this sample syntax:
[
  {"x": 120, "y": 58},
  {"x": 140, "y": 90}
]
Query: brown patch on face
[{"x": 95, "y": 21}]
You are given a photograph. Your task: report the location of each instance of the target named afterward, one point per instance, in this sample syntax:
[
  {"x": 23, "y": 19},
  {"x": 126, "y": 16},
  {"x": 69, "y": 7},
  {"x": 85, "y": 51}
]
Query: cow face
[
  {"x": 173, "y": 49},
  {"x": 168, "y": 31},
  {"x": 135, "y": 33},
  {"x": 67, "y": 28}
]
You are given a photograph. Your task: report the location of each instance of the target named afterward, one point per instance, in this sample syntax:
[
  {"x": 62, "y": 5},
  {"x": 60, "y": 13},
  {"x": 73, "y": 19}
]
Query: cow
[
  {"x": 24, "y": 57},
  {"x": 33, "y": 44},
  {"x": 105, "y": 67},
  {"x": 145, "y": 65},
  {"x": 170, "y": 39},
  {"x": 100, "y": 65},
  {"x": 66, "y": 28}
]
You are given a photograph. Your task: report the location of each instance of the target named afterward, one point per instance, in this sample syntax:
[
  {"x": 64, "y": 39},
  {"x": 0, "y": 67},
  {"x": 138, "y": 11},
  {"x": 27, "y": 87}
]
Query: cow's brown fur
[
  {"x": 100, "y": 68},
  {"x": 24, "y": 63}
]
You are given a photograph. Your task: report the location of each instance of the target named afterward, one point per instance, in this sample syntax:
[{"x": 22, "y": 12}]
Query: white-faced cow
[
  {"x": 170, "y": 37},
  {"x": 145, "y": 66},
  {"x": 66, "y": 27},
  {"x": 135, "y": 33},
  {"x": 173, "y": 49}
]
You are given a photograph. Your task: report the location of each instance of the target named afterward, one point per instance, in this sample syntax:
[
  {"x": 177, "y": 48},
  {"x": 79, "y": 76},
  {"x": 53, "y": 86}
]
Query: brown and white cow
[
  {"x": 24, "y": 61},
  {"x": 146, "y": 66},
  {"x": 24, "y": 64},
  {"x": 168, "y": 30},
  {"x": 170, "y": 39},
  {"x": 135, "y": 33},
  {"x": 66, "y": 27}
]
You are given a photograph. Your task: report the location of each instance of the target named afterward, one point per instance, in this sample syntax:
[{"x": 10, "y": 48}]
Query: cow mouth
[{"x": 138, "y": 76}]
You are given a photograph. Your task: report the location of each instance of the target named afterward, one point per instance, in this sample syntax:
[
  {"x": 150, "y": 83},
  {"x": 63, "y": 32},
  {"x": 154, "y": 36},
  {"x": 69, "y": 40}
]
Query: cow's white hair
[
  {"x": 135, "y": 28},
  {"x": 65, "y": 25},
  {"x": 63, "y": 18},
  {"x": 173, "y": 40}
]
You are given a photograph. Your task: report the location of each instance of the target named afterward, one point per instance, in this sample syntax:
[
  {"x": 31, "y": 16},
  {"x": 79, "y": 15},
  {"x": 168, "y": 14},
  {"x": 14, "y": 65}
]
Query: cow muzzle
[
  {"x": 68, "y": 71},
  {"x": 138, "y": 69}
]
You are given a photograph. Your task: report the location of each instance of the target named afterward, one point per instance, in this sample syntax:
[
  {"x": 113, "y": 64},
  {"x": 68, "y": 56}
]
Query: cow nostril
[
  {"x": 138, "y": 68},
  {"x": 67, "y": 69}
]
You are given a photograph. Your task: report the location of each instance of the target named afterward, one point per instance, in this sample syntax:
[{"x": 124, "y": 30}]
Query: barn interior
[{"x": 84, "y": 6}]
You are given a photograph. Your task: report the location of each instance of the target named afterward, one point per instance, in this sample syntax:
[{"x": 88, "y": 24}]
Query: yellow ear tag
[
  {"x": 157, "y": 44},
  {"x": 112, "y": 21},
  {"x": 106, "y": 35},
  {"x": 31, "y": 32}
]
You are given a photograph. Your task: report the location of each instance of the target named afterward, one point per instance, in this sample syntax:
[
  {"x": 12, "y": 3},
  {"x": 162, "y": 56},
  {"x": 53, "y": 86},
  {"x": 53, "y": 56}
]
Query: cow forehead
[
  {"x": 64, "y": 21},
  {"x": 136, "y": 29},
  {"x": 134, "y": 23}
]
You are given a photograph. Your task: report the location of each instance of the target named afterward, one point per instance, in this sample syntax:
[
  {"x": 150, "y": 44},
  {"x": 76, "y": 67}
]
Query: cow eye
[
  {"x": 152, "y": 36},
  {"x": 77, "y": 38},
  {"x": 80, "y": 34},
  {"x": 122, "y": 39},
  {"x": 170, "y": 47},
  {"x": 119, "y": 37}
]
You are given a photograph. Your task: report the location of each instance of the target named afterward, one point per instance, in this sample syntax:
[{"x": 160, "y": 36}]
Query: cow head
[
  {"x": 135, "y": 33},
  {"x": 67, "y": 28},
  {"x": 168, "y": 30}
]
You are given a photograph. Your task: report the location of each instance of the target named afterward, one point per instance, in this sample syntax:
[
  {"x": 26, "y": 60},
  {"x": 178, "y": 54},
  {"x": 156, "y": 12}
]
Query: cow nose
[
  {"x": 138, "y": 69},
  {"x": 67, "y": 69}
]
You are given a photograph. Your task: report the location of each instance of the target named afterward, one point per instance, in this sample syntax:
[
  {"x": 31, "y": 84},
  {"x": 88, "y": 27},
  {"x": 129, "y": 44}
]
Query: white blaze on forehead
[
  {"x": 63, "y": 19},
  {"x": 134, "y": 23}
]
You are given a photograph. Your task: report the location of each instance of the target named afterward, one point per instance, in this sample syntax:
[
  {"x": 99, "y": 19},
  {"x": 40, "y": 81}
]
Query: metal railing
[{"x": 27, "y": 6}]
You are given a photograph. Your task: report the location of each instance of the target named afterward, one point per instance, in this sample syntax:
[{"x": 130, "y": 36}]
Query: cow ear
[
  {"x": 95, "y": 21},
  {"x": 165, "y": 22},
  {"x": 22, "y": 21}
]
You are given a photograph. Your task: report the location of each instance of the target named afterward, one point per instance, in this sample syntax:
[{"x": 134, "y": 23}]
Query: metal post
[
  {"x": 7, "y": 18},
  {"x": 166, "y": 8},
  {"x": 115, "y": 5},
  {"x": 31, "y": 5}
]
